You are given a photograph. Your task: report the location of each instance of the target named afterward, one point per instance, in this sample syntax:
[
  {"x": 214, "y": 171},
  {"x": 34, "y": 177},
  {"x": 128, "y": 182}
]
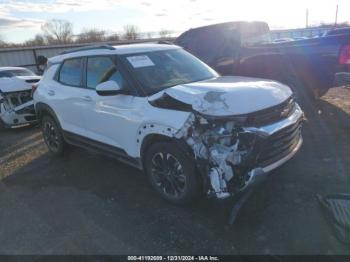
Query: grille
[
  {"x": 32, "y": 80},
  {"x": 18, "y": 98},
  {"x": 26, "y": 110},
  {"x": 272, "y": 114},
  {"x": 30, "y": 118},
  {"x": 280, "y": 144}
]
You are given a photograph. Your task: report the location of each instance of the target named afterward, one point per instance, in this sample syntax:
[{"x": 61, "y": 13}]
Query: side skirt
[{"x": 101, "y": 148}]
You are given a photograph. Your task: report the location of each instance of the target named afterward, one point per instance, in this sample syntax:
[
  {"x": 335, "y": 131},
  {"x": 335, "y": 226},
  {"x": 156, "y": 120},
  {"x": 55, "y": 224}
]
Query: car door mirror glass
[{"x": 108, "y": 88}]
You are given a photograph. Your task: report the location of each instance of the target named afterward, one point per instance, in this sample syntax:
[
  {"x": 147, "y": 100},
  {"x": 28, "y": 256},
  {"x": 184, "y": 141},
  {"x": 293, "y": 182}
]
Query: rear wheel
[
  {"x": 52, "y": 135},
  {"x": 2, "y": 125},
  {"x": 172, "y": 173}
]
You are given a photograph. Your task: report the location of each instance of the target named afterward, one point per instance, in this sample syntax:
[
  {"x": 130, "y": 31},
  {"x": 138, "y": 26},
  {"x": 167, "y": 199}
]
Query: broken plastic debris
[{"x": 218, "y": 184}]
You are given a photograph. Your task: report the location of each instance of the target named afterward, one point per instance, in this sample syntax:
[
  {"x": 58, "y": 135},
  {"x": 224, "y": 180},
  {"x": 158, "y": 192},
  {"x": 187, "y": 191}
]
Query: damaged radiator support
[
  {"x": 17, "y": 108},
  {"x": 228, "y": 151}
]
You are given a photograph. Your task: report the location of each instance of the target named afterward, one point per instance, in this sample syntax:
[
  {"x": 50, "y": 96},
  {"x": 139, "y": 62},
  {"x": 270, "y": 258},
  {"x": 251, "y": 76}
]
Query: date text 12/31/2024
[{"x": 173, "y": 258}]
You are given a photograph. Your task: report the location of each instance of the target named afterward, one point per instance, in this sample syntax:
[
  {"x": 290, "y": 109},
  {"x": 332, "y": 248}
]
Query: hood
[
  {"x": 229, "y": 95},
  {"x": 18, "y": 83}
]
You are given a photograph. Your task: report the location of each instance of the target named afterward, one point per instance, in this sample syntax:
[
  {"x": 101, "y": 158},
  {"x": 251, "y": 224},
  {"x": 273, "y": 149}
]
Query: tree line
[{"x": 58, "y": 31}]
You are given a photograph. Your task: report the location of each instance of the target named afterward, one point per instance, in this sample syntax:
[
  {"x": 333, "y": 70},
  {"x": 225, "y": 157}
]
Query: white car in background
[
  {"x": 164, "y": 111},
  {"x": 16, "y": 103}
]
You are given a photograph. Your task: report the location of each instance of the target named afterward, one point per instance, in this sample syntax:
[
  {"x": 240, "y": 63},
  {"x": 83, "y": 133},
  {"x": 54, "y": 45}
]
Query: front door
[{"x": 114, "y": 119}]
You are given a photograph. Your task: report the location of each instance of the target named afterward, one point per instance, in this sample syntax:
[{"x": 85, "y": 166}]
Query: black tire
[
  {"x": 2, "y": 125},
  {"x": 52, "y": 135},
  {"x": 172, "y": 173}
]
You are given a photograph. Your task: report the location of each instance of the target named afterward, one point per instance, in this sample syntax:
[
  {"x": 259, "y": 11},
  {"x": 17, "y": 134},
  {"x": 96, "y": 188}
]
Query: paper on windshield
[{"x": 140, "y": 61}]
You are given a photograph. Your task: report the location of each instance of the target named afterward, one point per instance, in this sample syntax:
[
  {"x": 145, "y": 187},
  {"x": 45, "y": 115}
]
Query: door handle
[
  {"x": 51, "y": 93},
  {"x": 87, "y": 98}
]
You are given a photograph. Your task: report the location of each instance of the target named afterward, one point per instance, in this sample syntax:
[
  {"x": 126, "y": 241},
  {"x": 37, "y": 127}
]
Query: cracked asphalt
[{"x": 85, "y": 203}]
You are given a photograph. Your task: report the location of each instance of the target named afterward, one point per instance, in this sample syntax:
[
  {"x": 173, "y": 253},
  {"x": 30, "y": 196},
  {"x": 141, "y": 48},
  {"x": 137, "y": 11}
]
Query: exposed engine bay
[
  {"x": 223, "y": 151},
  {"x": 17, "y": 108}
]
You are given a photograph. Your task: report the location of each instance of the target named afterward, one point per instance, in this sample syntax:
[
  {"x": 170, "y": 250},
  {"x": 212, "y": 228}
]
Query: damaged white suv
[
  {"x": 16, "y": 103},
  {"x": 162, "y": 110}
]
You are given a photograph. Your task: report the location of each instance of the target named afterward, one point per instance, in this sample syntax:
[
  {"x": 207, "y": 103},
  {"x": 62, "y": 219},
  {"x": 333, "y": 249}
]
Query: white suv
[{"x": 162, "y": 110}]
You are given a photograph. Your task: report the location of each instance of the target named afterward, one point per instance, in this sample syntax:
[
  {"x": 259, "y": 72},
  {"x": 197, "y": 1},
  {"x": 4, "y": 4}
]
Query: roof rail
[
  {"x": 164, "y": 42},
  {"x": 85, "y": 48}
]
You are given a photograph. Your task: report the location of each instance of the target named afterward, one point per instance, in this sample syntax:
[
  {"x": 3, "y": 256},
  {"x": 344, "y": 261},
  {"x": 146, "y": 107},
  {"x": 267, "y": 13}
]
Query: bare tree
[
  {"x": 131, "y": 32},
  {"x": 38, "y": 40},
  {"x": 164, "y": 33},
  {"x": 113, "y": 37},
  {"x": 91, "y": 36},
  {"x": 58, "y": 31}
]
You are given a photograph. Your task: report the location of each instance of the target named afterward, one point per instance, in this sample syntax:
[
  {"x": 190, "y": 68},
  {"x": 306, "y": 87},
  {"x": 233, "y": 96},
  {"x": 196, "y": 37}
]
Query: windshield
[
  {"x": 162, "y": 69},
  {"x": 19, "y": 72}
]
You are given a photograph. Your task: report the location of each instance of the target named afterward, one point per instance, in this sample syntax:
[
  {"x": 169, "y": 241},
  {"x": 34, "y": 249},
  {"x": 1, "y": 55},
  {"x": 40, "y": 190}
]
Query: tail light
[{"x": 344, "y": 57}]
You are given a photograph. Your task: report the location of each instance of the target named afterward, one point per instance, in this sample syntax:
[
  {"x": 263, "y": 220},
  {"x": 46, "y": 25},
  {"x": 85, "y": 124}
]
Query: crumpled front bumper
[{"x": 258, "y": 174}]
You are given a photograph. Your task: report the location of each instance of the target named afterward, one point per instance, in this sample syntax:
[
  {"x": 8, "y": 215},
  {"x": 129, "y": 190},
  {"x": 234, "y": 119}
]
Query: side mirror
[{"x": 109, "y": 88}]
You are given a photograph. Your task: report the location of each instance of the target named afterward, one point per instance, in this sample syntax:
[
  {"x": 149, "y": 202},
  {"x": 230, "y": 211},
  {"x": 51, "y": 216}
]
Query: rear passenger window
[
  {"x": 101, "y": 69},
  {"x": 70, "y": 73}
]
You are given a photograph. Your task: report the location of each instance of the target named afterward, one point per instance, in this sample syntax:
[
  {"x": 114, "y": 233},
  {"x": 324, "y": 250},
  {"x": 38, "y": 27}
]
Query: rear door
[{"x": 67, "y": 96}]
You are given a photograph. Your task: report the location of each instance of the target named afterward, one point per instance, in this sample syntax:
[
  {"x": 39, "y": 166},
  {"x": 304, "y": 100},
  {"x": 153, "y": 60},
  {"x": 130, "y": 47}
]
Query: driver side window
[{"x": 101, "y": 69}]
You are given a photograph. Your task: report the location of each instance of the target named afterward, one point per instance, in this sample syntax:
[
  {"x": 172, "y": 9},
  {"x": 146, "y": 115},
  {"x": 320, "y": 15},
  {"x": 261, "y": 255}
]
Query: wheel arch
[
  {"x": 43, "y": 109},
  {"x": 153, "y": 138}
]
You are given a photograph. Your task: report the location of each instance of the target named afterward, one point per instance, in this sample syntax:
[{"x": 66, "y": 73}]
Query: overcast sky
[{"x": 21, "y": 19}]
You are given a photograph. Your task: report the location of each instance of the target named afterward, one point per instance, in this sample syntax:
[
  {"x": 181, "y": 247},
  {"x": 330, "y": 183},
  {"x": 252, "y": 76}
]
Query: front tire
[
  {"x": 172, "y": 173},
  {"x": 52, "y": 135}
]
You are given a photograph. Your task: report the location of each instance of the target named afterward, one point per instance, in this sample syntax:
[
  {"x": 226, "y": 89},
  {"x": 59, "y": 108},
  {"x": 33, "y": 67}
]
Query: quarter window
[
  {"x": 102, "y": 69},
  {"x": 70, "y": 73}
]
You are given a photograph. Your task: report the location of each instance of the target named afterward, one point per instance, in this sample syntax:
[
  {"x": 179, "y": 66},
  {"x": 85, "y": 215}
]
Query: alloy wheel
[
  {"x": 51, "y": 136},
  {"x": 168, "y": 174}
]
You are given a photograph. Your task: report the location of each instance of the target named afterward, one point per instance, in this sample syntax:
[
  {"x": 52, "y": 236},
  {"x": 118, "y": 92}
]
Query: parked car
[
  {"x": 16, "y": 103},
  {"x": 160, "y": 109},
  {"x": 311, "y": 65}
]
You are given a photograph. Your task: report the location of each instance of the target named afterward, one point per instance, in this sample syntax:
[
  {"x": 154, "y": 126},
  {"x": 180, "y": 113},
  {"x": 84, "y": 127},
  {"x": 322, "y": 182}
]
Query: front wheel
[
  {"x": 172, "y": 173},
  {"x": 52, "y": 135}
]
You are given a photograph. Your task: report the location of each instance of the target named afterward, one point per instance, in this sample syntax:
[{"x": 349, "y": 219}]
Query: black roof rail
[{"x": 85, "y": 48}]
